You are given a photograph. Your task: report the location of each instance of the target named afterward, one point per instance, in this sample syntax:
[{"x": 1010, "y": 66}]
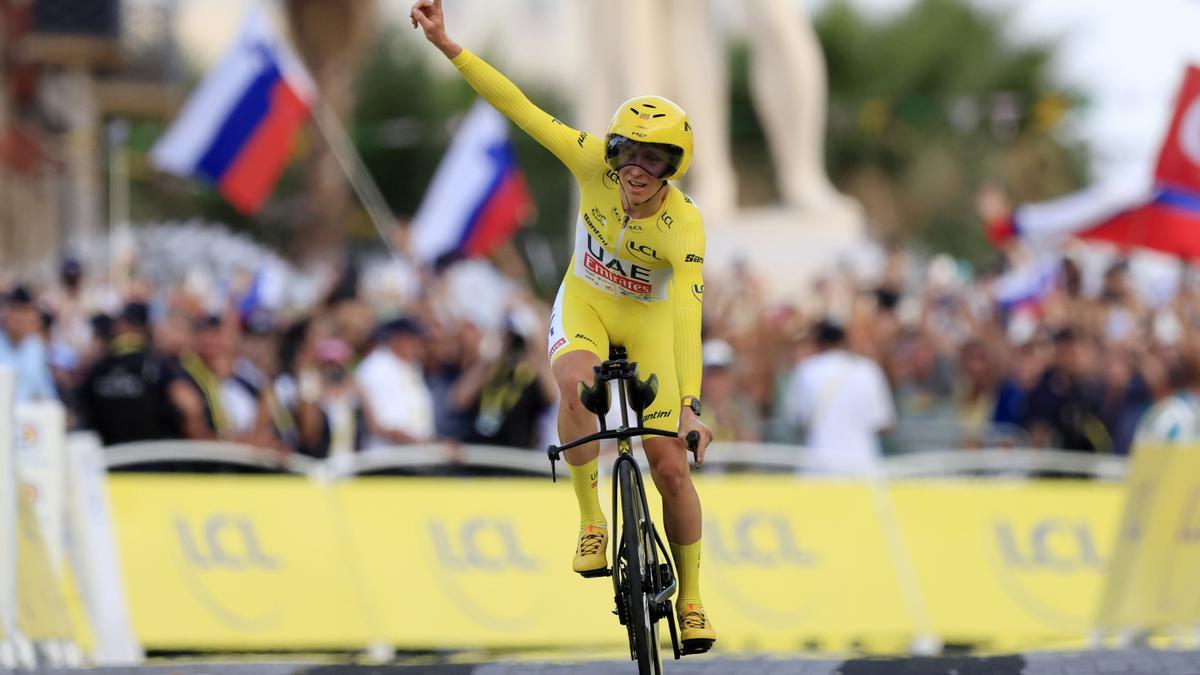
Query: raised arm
[{"x": 581, "y": 152}]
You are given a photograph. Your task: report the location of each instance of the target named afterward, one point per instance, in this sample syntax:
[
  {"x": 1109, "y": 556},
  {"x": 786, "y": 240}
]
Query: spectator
[
  {"x": 69, "y": 306},
  {"x": 455, "y": 353},
  {"x": 131, "y": 394},
  {"x": 340, "y": 399},
  {"x": 1028, "y": 362},
  {"x": 514, "y": 389},
  {"x": 298, "y": 386},
  {"x": 399, "y": 407},
  {"x": 1125, "y": 396},
  {"x": 975, "y": 398},
  {"x": 1064, "y": 407},
  {"x": 22, "y": 348},
  {"x": 924, "y": 378},
  {"x": 207, "y": 366},
  {"x": 843, "y": 400},
  {"x": 1176, "y": 419},
  {"x": 255, "y": 371},
  {"x": 733, "y": 416}
]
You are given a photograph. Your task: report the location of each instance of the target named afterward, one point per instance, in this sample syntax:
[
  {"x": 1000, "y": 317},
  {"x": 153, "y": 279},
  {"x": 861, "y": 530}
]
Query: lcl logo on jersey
[
  {"x": 611, "y": 180},
  {"x": 641, "y": 250},
  {"x": 665, "y": 222}
]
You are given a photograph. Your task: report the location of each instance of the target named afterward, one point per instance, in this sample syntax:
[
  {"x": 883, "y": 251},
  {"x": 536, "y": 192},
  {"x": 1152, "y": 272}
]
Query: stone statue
[{"x": 674, "y": 48}]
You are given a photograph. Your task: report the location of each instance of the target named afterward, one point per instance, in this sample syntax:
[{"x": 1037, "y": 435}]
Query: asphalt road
[{"x": 1116, "y": 662}]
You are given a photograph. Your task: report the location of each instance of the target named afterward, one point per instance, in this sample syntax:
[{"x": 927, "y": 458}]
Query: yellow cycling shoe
[
  {"x": 590, "y": 559},
  {"x": 696, "y": 632}
]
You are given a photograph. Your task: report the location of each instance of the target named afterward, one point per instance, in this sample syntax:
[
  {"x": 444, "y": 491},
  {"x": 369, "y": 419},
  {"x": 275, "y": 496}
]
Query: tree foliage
[
  {"x": 405, "y": 117},
  {"x": 927, "y": 105}
]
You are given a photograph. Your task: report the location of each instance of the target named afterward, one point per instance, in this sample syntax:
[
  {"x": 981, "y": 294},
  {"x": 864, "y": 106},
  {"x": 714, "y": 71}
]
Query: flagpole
[{"x": 356, "y": 172}]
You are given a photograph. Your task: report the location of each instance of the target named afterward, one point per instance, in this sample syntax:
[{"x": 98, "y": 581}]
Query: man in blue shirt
[{"x": 22, "y": 349}]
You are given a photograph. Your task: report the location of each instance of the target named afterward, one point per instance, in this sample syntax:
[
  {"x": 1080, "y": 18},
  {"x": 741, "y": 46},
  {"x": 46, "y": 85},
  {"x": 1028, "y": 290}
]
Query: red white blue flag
[
  {"x": 237, "y": 129},
  {"x": 478, "y": 197},
  {"x": 1161, "y": 212}
]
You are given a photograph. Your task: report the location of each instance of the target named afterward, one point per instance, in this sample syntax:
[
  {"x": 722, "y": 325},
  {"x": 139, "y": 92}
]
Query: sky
[{"x": 1126, "y": 56}]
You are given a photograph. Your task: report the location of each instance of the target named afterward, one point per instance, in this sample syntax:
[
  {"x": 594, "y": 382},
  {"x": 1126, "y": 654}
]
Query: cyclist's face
[{"x": 641, "y": 165}]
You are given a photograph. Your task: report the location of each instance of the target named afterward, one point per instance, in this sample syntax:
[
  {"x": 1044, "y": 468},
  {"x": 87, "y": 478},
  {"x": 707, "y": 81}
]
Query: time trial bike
[{"x": 642, "y": 575}]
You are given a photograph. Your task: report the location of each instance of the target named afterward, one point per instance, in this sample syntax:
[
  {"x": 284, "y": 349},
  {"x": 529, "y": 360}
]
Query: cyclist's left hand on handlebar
[{"x": 688, "y": 422}]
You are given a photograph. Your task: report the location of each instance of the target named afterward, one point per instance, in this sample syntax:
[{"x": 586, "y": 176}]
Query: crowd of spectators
[
  {"x": 928, "y": 357},
  {"x": 913, "y": 356}
]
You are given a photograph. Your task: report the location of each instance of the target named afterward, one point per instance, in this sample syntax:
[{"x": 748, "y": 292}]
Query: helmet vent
[
  {"x": 650, "y": 105},
  {"x": 659, "y": 115},
  {"x": 634, "y": 111}
]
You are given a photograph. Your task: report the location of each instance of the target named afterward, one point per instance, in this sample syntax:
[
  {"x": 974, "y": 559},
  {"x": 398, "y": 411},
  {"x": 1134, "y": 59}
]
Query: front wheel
[{"x": 643, "y": 630}]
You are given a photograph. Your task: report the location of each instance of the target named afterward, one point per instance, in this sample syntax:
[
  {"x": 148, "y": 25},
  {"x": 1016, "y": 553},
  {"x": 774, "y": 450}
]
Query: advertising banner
[
  {"x": 40, "y": 440},
  {"x": 41, "y": 609},
  {"x": 492, "y": 560},
  {"x": 91, "y": 549},
  {"x": 8, "y": 524},
  {"x": 1155, "y": 575},
  {"x": 1009, "y": 563},
  {"x": 241, "y": 562},
  {"x": 235, "y": 562}
]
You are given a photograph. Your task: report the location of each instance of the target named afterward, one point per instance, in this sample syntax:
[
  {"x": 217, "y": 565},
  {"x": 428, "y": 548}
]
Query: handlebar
[{"x": 554, "y": 452}]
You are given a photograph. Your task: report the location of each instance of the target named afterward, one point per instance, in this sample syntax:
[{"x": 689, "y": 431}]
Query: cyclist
[{"x": 635, "y": 279}]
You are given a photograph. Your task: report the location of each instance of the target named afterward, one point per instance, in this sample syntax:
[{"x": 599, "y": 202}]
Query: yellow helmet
[{"x": 656, "y": 120}]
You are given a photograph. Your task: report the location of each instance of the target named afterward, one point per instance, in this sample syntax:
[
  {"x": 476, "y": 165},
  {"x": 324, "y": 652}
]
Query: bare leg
[
  {"x": 575, "y": 421},
  {"x": 681, "y": 504}
]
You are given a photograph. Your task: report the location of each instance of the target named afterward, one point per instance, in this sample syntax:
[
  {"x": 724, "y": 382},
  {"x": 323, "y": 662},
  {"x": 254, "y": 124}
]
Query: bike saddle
[
  {"x": 596, "y": 398},
  {"x": 642, "y": 393}
]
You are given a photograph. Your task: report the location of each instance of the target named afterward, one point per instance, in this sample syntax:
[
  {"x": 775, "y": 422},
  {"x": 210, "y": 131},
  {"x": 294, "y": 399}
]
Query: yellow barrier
[
  {"x": 487, "y": 563},
  {"x": 1155, "y": 580},
  {"x": 1008, "y": 564},
  {"x": 241, "y": 562},
  {"x": 41, "y": 610},
  {"x": 279, "y": 562},
  {"x": 789, "y": 564}
]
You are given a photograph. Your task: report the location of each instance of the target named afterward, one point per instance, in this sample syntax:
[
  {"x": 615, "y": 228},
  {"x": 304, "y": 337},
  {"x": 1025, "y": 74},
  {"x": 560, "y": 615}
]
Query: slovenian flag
[
  {"x": 478, "y": 196},
  {"x": 1159, "y": 212},
  {"x": 236, "y": 130}
]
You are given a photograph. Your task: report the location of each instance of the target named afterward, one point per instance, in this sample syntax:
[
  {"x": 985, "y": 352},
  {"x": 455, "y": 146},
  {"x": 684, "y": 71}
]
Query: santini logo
[
  {"x": 692, "y": 257},
  {"x": 656, "y": 415}
]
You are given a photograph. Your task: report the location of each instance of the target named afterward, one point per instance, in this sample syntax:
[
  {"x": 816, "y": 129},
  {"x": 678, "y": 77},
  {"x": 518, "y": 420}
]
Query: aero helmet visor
[{"x": 657, "y": 159}]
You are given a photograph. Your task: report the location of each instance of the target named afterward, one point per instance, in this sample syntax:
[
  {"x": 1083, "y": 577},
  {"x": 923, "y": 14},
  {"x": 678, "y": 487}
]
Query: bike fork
[{"x": 662, "y": 576}]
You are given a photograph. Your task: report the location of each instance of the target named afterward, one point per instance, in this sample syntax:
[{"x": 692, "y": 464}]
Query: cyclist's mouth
[{"x": 637, "y": 185}]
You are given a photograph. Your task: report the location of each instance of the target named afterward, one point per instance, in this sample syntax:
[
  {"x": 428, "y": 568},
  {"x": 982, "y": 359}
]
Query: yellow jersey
[{"x": 627, "y": 269}]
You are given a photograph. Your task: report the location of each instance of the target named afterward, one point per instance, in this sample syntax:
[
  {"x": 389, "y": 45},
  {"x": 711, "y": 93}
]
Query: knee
[
  {"x": 670, "y": 475},
  {"x": 568, "y": 390}
]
